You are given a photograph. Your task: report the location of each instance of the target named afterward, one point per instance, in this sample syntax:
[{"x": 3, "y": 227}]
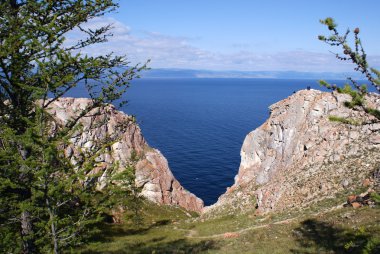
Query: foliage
[
  {"x": 356, "y": 55},
  {"x": 343, "y": 120},
  {"x": 47, "y": 203},
  {"x": 126, "y": 194},
  {"x": 376, "y": 197}
]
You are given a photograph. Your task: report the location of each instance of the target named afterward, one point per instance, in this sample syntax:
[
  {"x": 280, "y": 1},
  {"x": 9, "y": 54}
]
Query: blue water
[{"x": 200, "y": 124}]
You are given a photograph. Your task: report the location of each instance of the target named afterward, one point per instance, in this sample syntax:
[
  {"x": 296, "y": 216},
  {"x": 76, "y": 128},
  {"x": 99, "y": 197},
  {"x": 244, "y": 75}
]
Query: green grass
[{"x": 170, "y": 230}]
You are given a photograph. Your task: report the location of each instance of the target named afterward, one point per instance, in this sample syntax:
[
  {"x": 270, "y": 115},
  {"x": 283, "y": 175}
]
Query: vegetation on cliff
[{"x": 356, "y": 55}]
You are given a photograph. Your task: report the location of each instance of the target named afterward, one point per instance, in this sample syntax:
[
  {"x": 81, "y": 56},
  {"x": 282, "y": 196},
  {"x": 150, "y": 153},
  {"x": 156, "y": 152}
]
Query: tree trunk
[
  {"x": 27, "y": 233},
  {"x": 55, "y": 240},
  {"x": 52, "y": 227}
]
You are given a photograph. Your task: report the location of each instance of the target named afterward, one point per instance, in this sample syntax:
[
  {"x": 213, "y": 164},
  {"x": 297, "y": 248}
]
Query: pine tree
[
  {"x": 356, "y": 55},
  {"x": 47, "y": 203}
]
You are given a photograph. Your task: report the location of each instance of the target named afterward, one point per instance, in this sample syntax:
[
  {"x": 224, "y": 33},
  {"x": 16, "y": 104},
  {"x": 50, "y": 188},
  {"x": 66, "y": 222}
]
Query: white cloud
[{"x": 177, "y": 52}]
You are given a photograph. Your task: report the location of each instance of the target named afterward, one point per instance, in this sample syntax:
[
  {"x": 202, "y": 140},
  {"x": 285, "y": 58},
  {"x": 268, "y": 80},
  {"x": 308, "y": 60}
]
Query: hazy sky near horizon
[{"x": 245, "y": 35}]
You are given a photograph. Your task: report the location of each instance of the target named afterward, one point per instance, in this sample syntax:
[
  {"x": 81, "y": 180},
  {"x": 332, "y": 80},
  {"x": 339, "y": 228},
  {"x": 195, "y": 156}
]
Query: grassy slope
[{"x": 323, "y": 228}]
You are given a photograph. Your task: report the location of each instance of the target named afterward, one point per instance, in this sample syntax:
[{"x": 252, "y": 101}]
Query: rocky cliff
[
  {"x": 301, "y": 155},
  {"x": 152, "y": 171}
]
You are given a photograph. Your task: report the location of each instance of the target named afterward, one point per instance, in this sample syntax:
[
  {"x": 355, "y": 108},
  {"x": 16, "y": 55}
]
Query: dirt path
[{"x": 193, "y": 233}]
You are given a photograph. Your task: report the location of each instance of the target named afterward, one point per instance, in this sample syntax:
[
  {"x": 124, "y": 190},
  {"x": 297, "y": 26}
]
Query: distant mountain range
[{"x": 187, "y": 73}]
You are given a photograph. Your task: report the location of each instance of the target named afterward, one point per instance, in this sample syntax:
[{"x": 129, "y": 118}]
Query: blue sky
[{"x": 238, "y": 35}]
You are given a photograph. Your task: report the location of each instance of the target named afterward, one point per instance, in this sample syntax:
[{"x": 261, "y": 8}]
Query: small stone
[
  {"x": 366, "y": 182},
  {"x": 375, "y": 139},
  {"x": 356, "y": 205},
  {"x": 351, "y": 199},
  {"x": 345, "y": 183}
]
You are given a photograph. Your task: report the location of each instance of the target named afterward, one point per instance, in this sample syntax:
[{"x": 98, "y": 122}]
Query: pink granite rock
[
  {"x": 152, "y": 171},
  {"x": 299, "y": 156}
]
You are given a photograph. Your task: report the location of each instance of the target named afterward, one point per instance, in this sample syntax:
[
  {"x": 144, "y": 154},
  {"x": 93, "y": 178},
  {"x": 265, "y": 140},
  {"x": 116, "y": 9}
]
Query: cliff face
[
  {"x": 299, "y": 156},
  {"x": 152, "y": 171}
]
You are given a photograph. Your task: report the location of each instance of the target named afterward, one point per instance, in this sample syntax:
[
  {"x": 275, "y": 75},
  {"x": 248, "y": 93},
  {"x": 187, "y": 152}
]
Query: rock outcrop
[
  {"x": 301, "y": 155},
  {"x": 152, "y": 172}
]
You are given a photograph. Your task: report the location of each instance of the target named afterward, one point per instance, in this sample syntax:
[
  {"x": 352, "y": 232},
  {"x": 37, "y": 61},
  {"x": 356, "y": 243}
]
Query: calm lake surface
[{"x": 200, "y": 124}]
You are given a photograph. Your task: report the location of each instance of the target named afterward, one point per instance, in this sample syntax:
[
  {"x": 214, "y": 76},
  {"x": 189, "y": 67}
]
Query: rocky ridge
[
  {"x": 152, "y": 172},
  {"x": 301, "y": 155}
]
